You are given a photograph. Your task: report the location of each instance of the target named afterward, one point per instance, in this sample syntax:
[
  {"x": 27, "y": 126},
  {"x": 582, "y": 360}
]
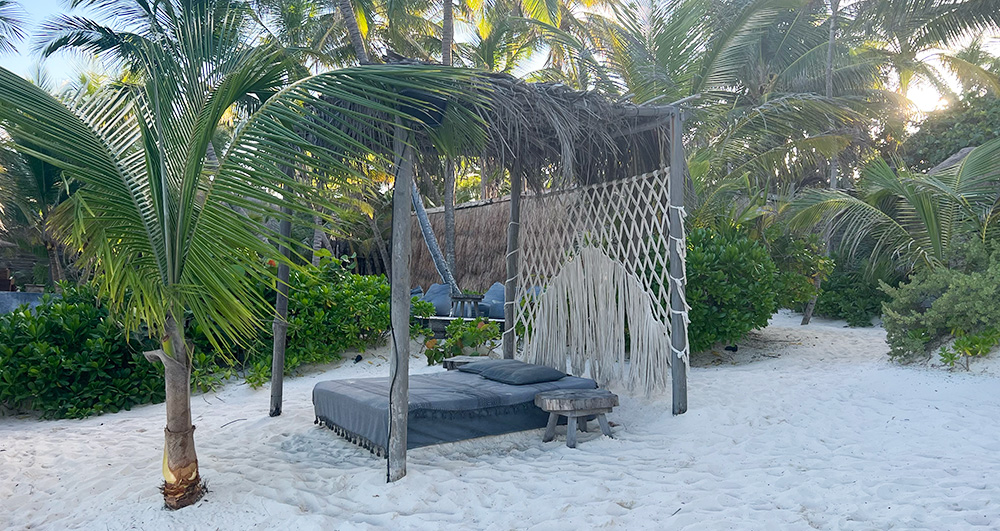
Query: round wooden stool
[{"x": 576, "y": 405}]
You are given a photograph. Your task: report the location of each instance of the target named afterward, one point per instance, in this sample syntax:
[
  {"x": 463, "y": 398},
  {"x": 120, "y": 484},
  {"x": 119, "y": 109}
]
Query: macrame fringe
[{"x": 594, "y": 269}]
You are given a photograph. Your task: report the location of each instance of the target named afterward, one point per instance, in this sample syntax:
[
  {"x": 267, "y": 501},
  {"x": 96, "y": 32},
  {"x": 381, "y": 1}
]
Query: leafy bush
[
  {"x": 68, "y": 359},
  {"x": 331, "y": 310},
  {"x": 730, "y": 287},
  {"x": 971, "y": 121},
  {"x": 852, "y": 293},
  {"x": 939, "y": 304},
  {"x": 799, "y": 260},
  {"x": 464, "y": 337}
]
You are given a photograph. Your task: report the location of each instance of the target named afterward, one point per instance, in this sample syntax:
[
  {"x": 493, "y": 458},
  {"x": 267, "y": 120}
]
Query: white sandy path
[{"x": 827, "y": 434}]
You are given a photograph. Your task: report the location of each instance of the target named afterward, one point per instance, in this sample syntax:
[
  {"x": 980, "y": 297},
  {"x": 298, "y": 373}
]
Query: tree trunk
[
  {"x": 317, "y": 240},
  {"x": 817, "y": 282},
  {"x": 353, "y": 31},
  {"x": 380, "y": 243},
  {"x": 55, "y": 268},
  {"x": 182, "y": 485},
  {"x": 431, "y": 240},
  {"x": 449, "y": 214},
  {"x": 447, "y": 32}
]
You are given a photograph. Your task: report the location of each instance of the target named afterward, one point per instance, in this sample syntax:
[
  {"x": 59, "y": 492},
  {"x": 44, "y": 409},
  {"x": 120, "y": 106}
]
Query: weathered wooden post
[
  {"x": 678, "y": 328},
  {"x": 399, "y": 366},
  {"x": 280, "y": 326},
  {"x": 513, "y": 253}
]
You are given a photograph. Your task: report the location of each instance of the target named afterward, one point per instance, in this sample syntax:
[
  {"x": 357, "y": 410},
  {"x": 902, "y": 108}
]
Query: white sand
[{"x": 805, "y": 427}]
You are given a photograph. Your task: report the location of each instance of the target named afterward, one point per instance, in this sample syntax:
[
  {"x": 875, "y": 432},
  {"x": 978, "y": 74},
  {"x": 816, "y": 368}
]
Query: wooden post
[
  {"x": 280, "y": 325},
  {"x": 513, "y": 253},
  {"x": 678, "y": 328},
  {"x": 399, "y": 366}
]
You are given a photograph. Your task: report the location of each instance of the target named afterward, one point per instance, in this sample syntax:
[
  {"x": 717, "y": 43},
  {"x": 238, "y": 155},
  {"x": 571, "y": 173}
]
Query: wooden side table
[{"x": 576, "y": 405}]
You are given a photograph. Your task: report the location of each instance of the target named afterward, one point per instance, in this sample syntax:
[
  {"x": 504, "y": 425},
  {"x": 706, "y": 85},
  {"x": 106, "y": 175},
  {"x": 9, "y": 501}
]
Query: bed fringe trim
[{"x": 376, "y": 449}]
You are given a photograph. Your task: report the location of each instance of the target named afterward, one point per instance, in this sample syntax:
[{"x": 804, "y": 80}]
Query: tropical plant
[
  {"x": 971, "y": 121},
  {"x": 730, "y": 286},
  {"x": 909, "y": 34},
  {"x": 154, "y": 215},
  {"x": 30, "y": 189},
  {"x": 11, "y": 24},
  {"x": 463, "y": 337},
  {"x": 913, "y": 219}
]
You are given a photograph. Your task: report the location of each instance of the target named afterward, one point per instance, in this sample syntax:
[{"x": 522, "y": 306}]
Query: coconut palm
[
  {"x": 155, "y": 216},
  {"x": 911, "y": 33},
  {"x": 913, "y": 218},
  {"x": 11, "y": 24},
  {"x": 30, "y": 189}
]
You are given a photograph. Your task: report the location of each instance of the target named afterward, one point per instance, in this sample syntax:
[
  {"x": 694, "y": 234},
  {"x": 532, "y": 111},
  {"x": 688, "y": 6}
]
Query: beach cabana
[{"x": 593, "y": 237}]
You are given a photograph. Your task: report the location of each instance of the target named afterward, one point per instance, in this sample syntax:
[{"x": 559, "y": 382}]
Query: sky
[{"x": 60, "y": 67}]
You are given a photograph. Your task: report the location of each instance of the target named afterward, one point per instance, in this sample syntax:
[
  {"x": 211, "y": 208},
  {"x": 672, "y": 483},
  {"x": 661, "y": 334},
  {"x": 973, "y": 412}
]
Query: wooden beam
[
  {"x": 399, "y": 367},
  {"x": 678, "y": 328},
  {"x": 513, "y": 253}
]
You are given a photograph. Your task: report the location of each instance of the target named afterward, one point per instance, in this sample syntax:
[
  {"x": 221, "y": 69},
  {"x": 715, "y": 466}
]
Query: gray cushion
[
  {"x": 477, "y": 367},
  {"x": 522, "y": 375},
  {"x": 440, "y": 296},
  {"x": 494, "y": 299}
]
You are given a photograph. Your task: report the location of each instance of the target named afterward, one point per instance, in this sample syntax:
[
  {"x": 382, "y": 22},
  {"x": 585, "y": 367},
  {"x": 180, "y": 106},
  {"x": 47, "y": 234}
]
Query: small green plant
[
  {"x": 968, "y": 346},
  {"x": 464, "y": 337}
]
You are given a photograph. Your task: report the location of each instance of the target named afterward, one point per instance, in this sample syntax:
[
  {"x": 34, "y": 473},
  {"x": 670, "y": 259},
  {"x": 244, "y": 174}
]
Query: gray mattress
[{"x": 444, "y": 407}]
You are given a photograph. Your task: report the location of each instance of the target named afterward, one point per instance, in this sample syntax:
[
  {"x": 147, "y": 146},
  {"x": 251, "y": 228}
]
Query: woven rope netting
[{"x": 593, "y": 281}]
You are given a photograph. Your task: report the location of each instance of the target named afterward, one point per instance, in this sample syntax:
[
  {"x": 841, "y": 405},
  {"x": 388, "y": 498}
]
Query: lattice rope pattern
[{"x": 593, "y": 261}]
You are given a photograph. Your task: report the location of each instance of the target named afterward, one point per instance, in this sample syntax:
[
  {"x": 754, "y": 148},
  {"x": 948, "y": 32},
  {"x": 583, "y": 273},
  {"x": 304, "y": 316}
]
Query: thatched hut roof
[
  {"x": 480, "y": 245},
  {"x": 548, "y": 133}
]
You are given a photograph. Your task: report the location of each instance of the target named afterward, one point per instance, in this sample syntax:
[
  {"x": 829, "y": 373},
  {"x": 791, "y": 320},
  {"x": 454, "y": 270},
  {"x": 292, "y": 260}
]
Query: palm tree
[
  {"x": 909, "y": 33},
  {"x": 157, "y": 221},
  {"x": 31, "y": 190},
  {"x": 11, "y": 24},
  {"x": 912, "y": 218}
]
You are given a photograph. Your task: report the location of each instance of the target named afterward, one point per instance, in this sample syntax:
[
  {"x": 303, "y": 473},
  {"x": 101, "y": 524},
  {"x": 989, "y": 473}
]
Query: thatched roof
[
  {"x": 480, "y": 245},
  {"x": 548, "y": 133}
]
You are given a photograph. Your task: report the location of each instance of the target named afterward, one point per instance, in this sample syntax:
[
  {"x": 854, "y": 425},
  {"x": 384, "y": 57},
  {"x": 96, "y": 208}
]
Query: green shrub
[
  {"x": 799, "y": 260},
  {"x": 330, "y": 310},
  {"x": 68, "y": 359},
  {"x": 463, "y": 337},
  {"x": 730, "y": 287},
  {"x": 852, "y": 294},
  {"x": 938, "y": 304}
]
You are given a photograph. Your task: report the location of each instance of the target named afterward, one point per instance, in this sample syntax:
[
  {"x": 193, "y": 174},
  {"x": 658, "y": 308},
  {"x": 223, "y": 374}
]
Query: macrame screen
[{"x": 593, "y": 281}]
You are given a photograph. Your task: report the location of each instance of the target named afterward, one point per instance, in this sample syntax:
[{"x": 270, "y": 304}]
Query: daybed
[{"x": 444, "y": 407}]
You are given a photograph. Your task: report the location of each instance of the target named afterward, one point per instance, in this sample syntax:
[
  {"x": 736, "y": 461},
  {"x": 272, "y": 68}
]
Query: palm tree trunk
[
  {"x": 317, "y": 240},
  {"x": 182, "y": 485},
  {"x": 817, "y": 282},
  {"x": 55, "y": 268},
  {"x": 449, "y": 214},
  {"x": 380, "y": 243},
  {"x": 431, "y": 240},
  {"x": 447, "y": 32},
  {"x": 353, "y": 31}
]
